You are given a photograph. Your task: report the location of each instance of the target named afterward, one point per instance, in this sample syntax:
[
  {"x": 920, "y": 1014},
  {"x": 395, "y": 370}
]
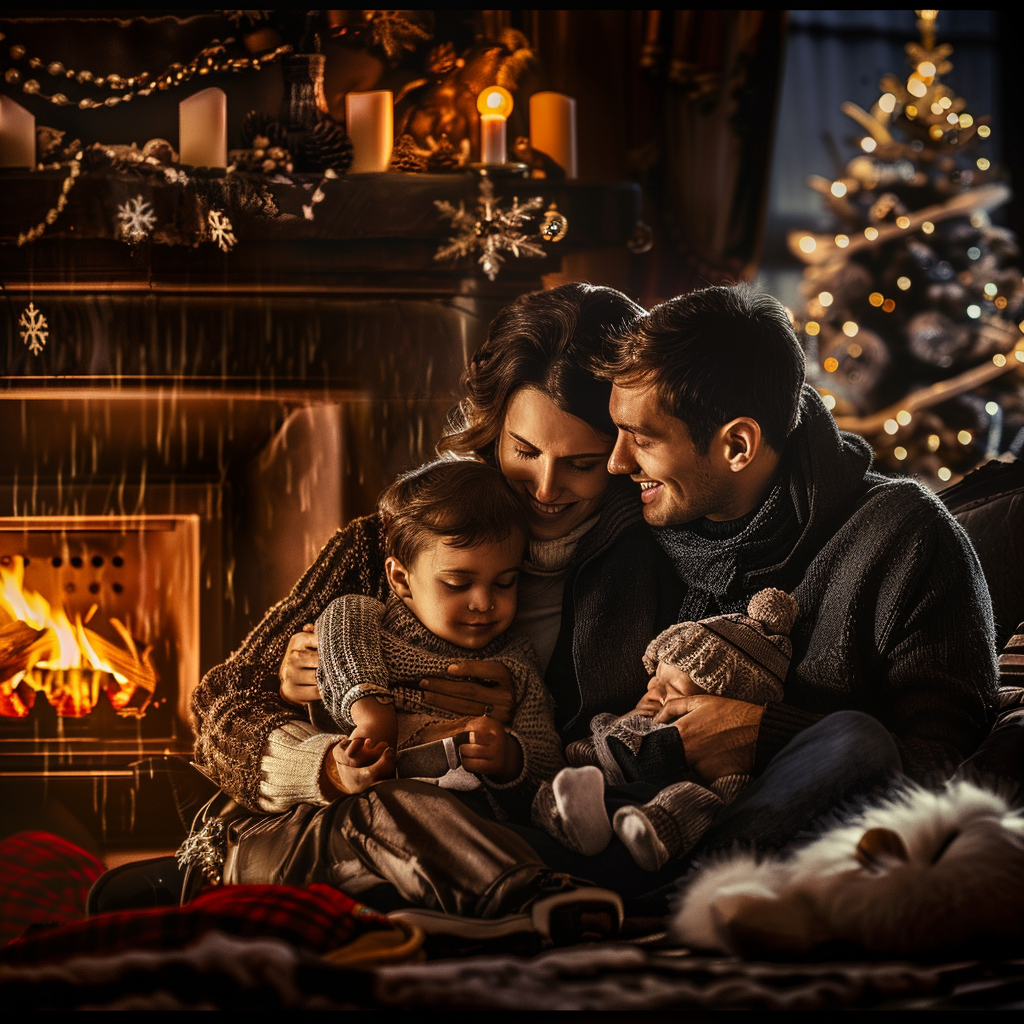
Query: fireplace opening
[{"x": 99, "y": 629}]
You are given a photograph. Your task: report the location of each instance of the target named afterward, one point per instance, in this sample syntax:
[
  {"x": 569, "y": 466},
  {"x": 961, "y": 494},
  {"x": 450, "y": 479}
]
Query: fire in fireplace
[{"x": 99, "y": 627}]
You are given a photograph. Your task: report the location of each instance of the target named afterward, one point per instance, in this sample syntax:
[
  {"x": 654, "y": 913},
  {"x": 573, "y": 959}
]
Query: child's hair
[{"x": 465, "y": 502}]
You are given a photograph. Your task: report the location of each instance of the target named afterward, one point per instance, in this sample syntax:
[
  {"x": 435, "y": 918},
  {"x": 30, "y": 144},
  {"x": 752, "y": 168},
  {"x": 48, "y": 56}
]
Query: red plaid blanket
[
  {"x": 317, "y": 919},
  {"x": 43, "y": 878}
]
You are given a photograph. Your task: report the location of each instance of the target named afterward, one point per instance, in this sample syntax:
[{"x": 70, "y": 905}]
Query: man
[{"x": 748, "y": 484}]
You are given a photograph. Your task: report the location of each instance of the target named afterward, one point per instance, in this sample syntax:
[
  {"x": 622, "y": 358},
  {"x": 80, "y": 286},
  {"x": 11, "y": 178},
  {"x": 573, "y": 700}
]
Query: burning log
[{"x": 21, "y": 646}]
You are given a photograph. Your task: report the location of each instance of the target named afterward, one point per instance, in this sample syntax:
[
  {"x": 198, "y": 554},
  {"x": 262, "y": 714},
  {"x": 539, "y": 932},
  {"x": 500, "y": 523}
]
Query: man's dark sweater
[{"x": 895, "y": 618}]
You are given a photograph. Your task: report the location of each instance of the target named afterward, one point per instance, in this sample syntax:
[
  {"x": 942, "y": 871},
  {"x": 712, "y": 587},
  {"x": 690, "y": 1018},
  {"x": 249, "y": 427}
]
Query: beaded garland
[{"x": 210, "y": 59}]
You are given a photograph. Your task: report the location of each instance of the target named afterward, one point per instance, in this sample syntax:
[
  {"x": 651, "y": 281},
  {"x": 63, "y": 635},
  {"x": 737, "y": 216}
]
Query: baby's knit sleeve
[{"x": 351, "y": 666}]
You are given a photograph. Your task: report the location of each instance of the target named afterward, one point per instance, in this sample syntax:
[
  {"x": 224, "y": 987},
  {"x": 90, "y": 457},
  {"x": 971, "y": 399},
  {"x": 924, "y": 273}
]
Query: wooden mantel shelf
[{"x": 359, "y": 226}]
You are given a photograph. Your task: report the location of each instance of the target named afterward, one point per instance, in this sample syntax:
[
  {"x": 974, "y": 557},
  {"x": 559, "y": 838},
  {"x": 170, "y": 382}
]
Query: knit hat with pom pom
[{"x": 745, "y": 657}]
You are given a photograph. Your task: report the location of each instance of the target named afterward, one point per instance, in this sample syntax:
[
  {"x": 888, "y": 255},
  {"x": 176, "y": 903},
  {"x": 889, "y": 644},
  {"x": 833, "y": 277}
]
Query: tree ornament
[
  {"x": 34, "y": 329},
  {"x": 554, "y": 225}
]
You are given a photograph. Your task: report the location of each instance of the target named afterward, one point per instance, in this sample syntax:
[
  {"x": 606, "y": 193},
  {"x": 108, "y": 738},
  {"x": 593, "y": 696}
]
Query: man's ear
[
  {"x": 398, "y": 578},
  {"x": 740, "y": 440}
]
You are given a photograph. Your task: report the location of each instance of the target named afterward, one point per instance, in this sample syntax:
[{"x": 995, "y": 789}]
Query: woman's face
[{"x": 558, "y": 464}]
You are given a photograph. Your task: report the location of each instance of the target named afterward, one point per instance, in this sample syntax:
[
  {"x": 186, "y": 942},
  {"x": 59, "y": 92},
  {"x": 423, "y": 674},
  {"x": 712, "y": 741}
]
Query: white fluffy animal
[{"x": 918, "y": 872}]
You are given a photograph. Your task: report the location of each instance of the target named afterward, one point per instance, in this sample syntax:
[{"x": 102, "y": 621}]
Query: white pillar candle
[
  {"x": 553, "y": 128},
  {"x": 494, "y": 105},
  {"x": 493, "y": 140},
  {"x": 369, "y": 121},
  {"x": 17, "y": 135},
  {"x": 203, "y": 129}
]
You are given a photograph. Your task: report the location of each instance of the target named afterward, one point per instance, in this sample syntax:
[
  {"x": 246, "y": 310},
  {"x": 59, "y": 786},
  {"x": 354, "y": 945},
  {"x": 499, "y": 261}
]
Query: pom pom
[{"x": 775, "y": 609}]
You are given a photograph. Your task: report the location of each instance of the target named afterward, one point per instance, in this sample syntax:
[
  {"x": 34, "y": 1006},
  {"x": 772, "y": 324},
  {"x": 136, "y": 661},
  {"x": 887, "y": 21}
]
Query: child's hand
[
  {"x": 362, "y": 749},
  {"x": 491, "y": 751},
  {"x": 341, "y": 774}
]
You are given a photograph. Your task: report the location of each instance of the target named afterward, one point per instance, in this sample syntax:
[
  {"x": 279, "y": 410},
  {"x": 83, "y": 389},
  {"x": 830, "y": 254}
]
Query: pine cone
[
  {"x": 444, "y": 158},
  {"x": 406, "y": 158},
  {"x": 256, "y": 125},
  {"x": 327, "y": 146}
]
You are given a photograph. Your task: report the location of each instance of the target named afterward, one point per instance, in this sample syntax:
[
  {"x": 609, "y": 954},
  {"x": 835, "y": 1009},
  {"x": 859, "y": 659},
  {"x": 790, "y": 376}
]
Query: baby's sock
[
  {"x": 640, "y": 837},
  {"x": 671, "y": 824},
  {"x": 579, "y": 798}
]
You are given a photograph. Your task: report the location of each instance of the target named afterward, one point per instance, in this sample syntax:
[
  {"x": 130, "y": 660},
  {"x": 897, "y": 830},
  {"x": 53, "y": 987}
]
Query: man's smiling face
[{"x": 677, "y": 484}]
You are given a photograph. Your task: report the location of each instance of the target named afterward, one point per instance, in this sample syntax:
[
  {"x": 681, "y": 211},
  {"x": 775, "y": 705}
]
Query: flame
[{"x": 63, "y": 662}]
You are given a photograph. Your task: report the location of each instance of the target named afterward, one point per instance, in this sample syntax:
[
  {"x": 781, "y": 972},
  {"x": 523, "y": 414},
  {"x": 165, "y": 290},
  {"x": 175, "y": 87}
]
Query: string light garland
[{"x": 210, "y": 60}]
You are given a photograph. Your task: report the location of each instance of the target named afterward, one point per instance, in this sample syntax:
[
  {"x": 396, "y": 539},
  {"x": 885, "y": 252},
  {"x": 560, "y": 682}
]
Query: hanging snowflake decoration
[
  {"x": 34, "y": 329},
  {"x": 137, "y": 219},
  {"x": 490, "y": 230},
  {"x": 220, "y": 230}
]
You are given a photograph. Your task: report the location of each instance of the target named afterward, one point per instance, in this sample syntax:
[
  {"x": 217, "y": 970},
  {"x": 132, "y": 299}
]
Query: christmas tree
[{"x": 914, "y": 303}]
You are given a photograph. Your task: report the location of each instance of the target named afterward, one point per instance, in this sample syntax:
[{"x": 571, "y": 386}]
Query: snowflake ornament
[
  {"x": 490, "y": 230},
  {"x": 221, "y": 231},
  {"x": 137, "y": 219},
  {"x": 34, "y": 329}
]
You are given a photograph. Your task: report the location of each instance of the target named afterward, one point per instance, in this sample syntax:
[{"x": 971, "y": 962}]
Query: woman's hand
[
  {"x": 353, "y": 766},
  {"x": 298, "y": 668},
  {"x": 491, "y": 751},
  {"x": 484, "y": 690}
]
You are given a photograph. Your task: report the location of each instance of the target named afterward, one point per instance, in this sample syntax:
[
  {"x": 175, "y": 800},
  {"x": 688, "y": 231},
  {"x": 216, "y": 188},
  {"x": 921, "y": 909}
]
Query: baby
[
  {"x": 455, "y": 535},
  {"x": 745, "y": 657}
]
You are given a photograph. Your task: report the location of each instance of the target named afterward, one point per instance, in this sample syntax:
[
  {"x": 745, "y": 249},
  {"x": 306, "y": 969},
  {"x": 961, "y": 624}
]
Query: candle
[
  {"x": 553, "y": 128},
  {"x": 369, "y": 118},
  {"x": 203, "y": 129},
  {"x": 494, "y": 105},
  {"x": 17, "y": 135}
]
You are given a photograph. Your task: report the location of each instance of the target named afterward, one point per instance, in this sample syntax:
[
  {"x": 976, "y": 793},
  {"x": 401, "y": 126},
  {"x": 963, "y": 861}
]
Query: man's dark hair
[
  {"x": 714, "y": 355},
  {"x": 465, "y": 502}
]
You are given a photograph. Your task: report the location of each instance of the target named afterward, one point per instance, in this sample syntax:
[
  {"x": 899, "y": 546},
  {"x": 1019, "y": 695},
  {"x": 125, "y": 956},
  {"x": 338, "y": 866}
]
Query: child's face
[{"x": 466, "y": 596}]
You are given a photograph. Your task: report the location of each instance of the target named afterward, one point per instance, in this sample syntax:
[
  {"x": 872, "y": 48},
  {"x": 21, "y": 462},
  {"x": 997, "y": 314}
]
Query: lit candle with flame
[{"x": 494, "y": 104}]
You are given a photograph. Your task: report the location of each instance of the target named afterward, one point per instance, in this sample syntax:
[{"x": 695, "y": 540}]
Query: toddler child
[
  {"x": 455, "y": 535},
  {"x": 745, "y": 657}
]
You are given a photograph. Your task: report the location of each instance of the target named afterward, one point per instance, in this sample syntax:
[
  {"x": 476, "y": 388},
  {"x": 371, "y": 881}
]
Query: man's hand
[
  {"x": 491, "y": 751},
  {"x": 298, "y": 668},
  {"x": 353, "y": 765},
  {"x": 718, "y": 734},
  {"x": 666, "y": 684},
  {"x": 485, "y": 690}
]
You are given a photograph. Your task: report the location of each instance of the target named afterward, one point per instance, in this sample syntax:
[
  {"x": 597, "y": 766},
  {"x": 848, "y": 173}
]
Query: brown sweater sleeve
[{"x": 237, "y": 705}]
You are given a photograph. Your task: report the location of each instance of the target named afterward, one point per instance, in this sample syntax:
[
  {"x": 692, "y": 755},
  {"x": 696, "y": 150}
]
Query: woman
[{"x": 595, "y": 590}]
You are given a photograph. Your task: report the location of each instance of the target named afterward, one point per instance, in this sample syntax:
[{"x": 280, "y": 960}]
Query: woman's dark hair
[
  {"x": 554, "y": 341},
  {"x": 464, "y": 501}
]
